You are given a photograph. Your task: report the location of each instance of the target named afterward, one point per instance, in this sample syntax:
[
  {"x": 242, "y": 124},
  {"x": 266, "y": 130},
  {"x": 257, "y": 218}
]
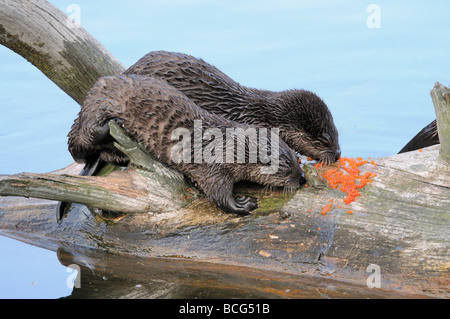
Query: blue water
[
  {"x": 29, "y": 272},
  {"x": 376, "y": 81}
]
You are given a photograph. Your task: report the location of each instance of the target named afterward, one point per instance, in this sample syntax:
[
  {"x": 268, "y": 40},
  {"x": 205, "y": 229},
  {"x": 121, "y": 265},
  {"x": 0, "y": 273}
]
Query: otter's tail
[
  {"x": 428, "y": 136},
  {"x": 92, "y": 167}
]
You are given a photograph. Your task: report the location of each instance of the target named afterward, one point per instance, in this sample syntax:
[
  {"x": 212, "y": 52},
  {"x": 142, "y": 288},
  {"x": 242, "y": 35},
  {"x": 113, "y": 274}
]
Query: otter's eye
[{"x": 325, "y": 138}]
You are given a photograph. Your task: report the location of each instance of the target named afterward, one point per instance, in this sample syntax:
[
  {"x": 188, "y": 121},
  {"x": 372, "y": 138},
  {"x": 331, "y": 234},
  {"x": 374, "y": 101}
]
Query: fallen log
[
  {"x": 62, "y": 50},
  {"x": 399, "y": 223},
  {"x": 441, "y": 101}
]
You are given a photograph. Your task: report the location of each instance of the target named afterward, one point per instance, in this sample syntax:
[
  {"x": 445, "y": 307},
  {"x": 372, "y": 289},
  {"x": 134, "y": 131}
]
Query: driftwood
[
  {"x": 399, "y": 223},
  {"x": 441, "y": 101},
  {"x": 64, "y": 52}
]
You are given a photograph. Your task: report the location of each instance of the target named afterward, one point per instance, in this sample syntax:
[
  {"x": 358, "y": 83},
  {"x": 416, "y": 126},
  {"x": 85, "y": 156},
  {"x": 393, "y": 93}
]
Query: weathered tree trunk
[
  {"x": 63, "y": 51},
  {"x": 399, "y": 223},
  {"x": 441, "y": 101}
]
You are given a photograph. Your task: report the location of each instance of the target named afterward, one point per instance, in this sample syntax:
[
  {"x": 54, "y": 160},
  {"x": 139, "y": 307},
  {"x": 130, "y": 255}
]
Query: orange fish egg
[{"x": 346, "y": 176}]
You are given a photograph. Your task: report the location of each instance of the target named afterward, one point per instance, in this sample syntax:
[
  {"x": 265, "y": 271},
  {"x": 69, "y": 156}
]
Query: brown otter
[
  {"x": 304, "y": 120},
  {"x": 151, "y": 110}
]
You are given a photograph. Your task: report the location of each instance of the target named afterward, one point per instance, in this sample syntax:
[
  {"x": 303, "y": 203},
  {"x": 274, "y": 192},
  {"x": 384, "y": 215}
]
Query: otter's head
[
  {"x": 289, "y": 175},
  {"x": 306, "y": 125}
]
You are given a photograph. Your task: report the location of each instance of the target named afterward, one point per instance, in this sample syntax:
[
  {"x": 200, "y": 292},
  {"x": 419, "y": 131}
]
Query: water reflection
[{"x": 104, "y": 275}]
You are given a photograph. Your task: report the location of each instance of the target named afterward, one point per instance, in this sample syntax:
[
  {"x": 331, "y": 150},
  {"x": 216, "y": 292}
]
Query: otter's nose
[{"x": 337, "y": 155}]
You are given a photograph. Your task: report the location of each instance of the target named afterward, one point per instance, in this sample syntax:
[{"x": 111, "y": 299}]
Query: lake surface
[
  {"x": 376, "y": 81},
  {"x": 30, "y": 272}
]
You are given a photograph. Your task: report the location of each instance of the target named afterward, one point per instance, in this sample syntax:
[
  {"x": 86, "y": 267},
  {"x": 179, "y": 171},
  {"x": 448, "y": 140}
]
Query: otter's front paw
[{"x": 100, "y": 134}]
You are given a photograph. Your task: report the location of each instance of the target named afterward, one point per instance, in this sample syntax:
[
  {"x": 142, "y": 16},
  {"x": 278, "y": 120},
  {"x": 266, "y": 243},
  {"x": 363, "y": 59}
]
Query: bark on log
[
  {"x": 400, "y": 221},
  {"x": 64, "y": 52},
  {"x": 441, "y": 101}
]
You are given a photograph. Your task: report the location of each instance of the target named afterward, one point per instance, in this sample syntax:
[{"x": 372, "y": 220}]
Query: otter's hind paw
[{"x": 241, "y": 206}]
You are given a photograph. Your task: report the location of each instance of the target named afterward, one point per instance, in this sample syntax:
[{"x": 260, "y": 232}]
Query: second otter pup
[
  {"x": 304, "y": 120},
  {"x": 151, "y": 111}
]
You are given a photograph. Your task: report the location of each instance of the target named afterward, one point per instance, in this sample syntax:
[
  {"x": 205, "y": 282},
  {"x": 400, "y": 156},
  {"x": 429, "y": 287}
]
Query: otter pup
[
  {"x": 151, "y": 111},
  {"x": 304, "y": 120}
]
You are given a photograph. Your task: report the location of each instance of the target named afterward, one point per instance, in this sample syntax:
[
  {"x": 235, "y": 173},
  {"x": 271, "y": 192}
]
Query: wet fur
[
  {"x": 305, "y": 121},
  {"x": 150, "y": 109}
]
